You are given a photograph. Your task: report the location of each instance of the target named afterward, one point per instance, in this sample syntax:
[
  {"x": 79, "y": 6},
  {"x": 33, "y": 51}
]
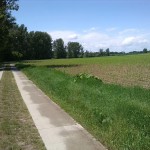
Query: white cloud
[
  {"x": 129, "y": 41},
  {"x": 134, "y": 40},
  {"x": 65, "y": 35},
  {"x": 73, "y": 36},
  {"x": 93, "y": 39}
]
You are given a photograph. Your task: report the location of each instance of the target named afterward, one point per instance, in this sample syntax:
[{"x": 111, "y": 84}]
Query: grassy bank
[
  {"x": 117, "y": 116},
  {"x": 17, "y": 130}
]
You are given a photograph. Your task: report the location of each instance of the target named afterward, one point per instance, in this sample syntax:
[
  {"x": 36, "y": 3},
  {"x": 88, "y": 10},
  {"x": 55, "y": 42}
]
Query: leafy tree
[
  {"x": 17, "y": 41},
  {"x": 30, "y": 51},
  {"x": 74, "y": 50},
  {"x": 145, "y": 50},
  {"x": 59, "y": 48},
  {"x": 6, "y": 23},
  {"x": 16, "y": 55},
  {"x": 107, "y": 52},
  {"x": 40, "y": 45},
  {"x": 33, "y": 45},
  {"x": 101, "y": 52},
  {"x": 86, "y": 54}
]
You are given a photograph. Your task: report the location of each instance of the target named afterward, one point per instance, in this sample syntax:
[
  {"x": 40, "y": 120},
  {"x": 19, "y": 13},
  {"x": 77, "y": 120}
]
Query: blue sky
[{"x": 121, "y": 25}]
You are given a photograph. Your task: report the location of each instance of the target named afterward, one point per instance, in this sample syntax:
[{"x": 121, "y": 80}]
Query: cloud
[
  {"x": 134, "y": 40},
  {"x": 65, "y": 35},
  {"x": 129, "y": 41},
  {"x": 93, "y": 39},
  {"x": 73, "y": 36}
]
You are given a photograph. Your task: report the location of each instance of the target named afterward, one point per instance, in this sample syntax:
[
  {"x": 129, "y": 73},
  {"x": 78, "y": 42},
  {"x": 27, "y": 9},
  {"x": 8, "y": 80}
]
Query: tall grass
[{"x": 117, "y": 116}]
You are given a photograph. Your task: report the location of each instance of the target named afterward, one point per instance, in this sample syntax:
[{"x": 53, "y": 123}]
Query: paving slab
[{"x": 57, "y": 129}]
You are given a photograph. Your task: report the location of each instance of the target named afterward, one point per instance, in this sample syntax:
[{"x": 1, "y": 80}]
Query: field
[
  {"x": 115, "y": 110},
  {"x": 132, "y": 70}
]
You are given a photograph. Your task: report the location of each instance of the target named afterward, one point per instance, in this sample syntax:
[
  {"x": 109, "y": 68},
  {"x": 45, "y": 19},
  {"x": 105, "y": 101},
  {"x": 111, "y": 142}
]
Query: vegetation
[
  {"x": 117, "y": 116},
  {"x": 74, "y": 50},
  {"x": 17, "y": 130},
  {"x": 16, "y": 43},
  {"x": 6, "y": 23},
  {"x": 59, "y": 49},
  {"x": 129, "y": 70},
  {"x": 28, "y": 45}
]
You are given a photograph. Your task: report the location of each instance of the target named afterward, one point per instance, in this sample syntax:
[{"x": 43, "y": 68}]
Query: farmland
[
  {"x": 115, "y": 110},
  {"x": 129, "y": 70}
]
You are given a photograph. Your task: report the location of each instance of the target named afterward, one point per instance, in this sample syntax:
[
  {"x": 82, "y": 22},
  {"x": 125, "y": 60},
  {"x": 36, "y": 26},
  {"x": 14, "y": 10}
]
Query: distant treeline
[
  {"x": 16, "y": 43},
  {"x": 22, "y": 44},
  {"x": 109, "y": 53}
]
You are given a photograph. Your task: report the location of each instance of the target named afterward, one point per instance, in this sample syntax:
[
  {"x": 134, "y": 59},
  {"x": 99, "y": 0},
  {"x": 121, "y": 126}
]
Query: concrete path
[
  {"x": 1, "y": 72},
  {"x": 56, "y": 128}
]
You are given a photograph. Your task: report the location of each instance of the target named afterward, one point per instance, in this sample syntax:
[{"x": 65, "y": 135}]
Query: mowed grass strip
[
  {"x": 17, "y": 131},
  {"x": 117, "y": 116}
]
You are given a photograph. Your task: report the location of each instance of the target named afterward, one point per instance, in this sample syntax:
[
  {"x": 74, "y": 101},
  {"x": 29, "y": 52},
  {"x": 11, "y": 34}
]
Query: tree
[
  {"x": 40, "y": 45},
  {"x": 24, "y": 45},
  {"x": 59, "y": 48},
  {"x": 107, "y": 52},
  {"x": 145, "y": 50},
  {"x": 6, "y": 23},
  {"x": 101, "y": 52},
  {"x": 74, "y": 50},
  {"x": 17, "y": 41}
]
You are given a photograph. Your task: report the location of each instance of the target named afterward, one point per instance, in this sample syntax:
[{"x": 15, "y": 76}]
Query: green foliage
[
  {"x": 85, "y": 76},
  {"x": 107, "y": 52},
  {"x": 32, "y": 45},
  {"x": 16, "y": 55},
  {"x": 145, "y": 50},
  {"x": 17, "y": 42},
  {"x": 101, "y": 52},
  {"x": 116, "y": 115},
  {"x": 6, "y": 23},
  {"x": 40, "y": 45},
  {"x": 59, "y": 48},
  {"x": 74, "y": 50}
]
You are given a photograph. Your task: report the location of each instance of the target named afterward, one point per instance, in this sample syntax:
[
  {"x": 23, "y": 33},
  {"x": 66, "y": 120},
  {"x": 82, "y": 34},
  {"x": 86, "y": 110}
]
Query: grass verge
[
  {"x": 117, "y": 116},
  {"x": 17, "y": 131}
]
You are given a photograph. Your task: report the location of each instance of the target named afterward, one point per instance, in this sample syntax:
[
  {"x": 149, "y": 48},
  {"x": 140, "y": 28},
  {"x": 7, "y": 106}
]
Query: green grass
[
  {"x": 117, "y": 116},
  {"x": 17, "y": 131},
  {"x": 127, "y": 70},
  {"x": 142, "y": 59}
]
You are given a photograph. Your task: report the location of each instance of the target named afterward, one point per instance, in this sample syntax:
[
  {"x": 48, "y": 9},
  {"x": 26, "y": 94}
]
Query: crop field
[
  {"x": 132, "y": 70},
  {"x": 114, "y": 106}
]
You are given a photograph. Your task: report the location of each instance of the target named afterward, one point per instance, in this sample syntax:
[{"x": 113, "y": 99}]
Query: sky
[{"x": 120, "y": 25}]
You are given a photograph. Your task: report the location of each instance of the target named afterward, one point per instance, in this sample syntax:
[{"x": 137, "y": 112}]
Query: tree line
[
  {"x": 21, "y": 44},
  {"x": 16, "y": 43}
]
